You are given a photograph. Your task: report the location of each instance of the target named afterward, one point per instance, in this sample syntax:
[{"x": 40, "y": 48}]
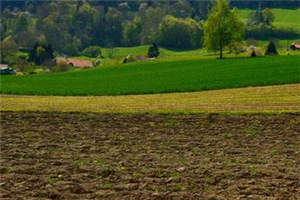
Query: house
[
  {"x": 295, "y": 46},
  {"x": 76, "y": 62},
  {"x": 5, "y": 70}
]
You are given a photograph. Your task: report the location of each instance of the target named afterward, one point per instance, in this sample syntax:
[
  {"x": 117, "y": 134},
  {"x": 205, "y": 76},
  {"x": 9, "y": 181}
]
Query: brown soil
[{"x": 105, "y": 156}]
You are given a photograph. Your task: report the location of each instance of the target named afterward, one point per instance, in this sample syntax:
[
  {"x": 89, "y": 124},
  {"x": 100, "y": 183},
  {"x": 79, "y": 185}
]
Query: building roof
[
  {"x": 80, "y": 63},
  {"x": 77, "y": 62},
  {"x": 3, "y": 66},
  {"x": 296, "y": 44}
]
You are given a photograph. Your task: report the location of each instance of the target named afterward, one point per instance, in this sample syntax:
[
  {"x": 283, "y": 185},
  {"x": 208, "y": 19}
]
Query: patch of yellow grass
[{"x": 282, "y": 98}]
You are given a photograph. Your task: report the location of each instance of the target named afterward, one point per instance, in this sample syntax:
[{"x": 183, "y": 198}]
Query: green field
[
  {"x": 160, "y": 77},
  {"x": 267, "y": 99},
  {"x": 283, "y": 17},
  {"x": 165, "y": 54}
]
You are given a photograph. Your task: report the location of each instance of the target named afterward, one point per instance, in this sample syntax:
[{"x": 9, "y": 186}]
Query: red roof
[
  {"x": 80, "y": 63},
  {"x": 297, "y": 45},
  {"x": 76, "y": 62},
  {"x": 3, "y": 66}
]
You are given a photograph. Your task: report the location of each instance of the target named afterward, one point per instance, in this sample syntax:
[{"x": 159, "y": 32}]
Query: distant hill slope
[
  {"x": 283, "y": 17},
  {"x": 160, "y": 77}
]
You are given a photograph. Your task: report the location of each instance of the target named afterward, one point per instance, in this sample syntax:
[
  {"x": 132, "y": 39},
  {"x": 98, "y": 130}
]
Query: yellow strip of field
[{"x": 281, "y": 98}]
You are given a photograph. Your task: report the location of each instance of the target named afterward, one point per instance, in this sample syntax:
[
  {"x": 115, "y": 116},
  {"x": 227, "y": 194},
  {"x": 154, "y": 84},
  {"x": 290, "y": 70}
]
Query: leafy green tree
[
  {"x": 93, "y": 52},
  {"x": 113, "y": 26},
  {"x": 268, "y": 16},
  {"x": 21, "y": 23},
  {"x": 82, "y": 23},
  {"x": 150, "y": 19},
  {"x": 61, "y": 66},
  {"x": 261, "y": 18},
  {"x": 203, "y": 8},
  {"x": 153, "y": 51},
  {"x": 179, "y": 33},
  {"x": 8, "y": 47},
  {"x": 182, "y": 9},
  {"x": 271, "y": 49},
  {"x": 41, "y": 53},
  {"x": 222, "y": 28},
  {"x": 132, "y": 32}
]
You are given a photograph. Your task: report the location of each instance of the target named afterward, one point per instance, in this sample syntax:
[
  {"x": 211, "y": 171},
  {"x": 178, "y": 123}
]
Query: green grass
[
  {"x": 267, "y": 99},
  {"x": 121, "y": 52},
  {"x": 159, "y": 77},
  {"x": 287, "y": 18}
]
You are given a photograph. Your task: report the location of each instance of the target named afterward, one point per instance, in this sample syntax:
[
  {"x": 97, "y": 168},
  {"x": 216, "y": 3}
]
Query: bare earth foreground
[{"x": 149, "y": 156}]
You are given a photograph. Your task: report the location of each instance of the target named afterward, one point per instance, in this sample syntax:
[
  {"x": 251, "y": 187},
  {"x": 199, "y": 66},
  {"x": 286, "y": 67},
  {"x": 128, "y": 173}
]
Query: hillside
[
  {"x": 286, "y": 18},
  {"x": 159, "y": 77},
  {"x": 267, "y": 99}
]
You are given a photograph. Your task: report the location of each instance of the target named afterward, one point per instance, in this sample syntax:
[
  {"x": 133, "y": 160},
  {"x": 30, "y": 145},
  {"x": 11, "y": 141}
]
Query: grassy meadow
[
  {"x": 286, "y": 18},
  {"x": 159, "y": 77},
  {"x": 268, "y": 99}
]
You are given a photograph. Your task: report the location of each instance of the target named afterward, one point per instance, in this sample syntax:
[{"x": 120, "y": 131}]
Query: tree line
[{"x": 69, "y": 27}]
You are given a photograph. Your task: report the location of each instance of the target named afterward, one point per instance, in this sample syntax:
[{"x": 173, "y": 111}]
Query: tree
[
  {"x": 150, "y": 19},
  {"x": 182, "y": 9},
  {"x": 21, "y": 24},
  {"x": 271, "y": 49},
  {"x": 268, "y": 16},
  {"x": 93, "y": 52},
  {"x": 153, "y": 51},
  {"x": 261, "y": 18},
  {"x": 132, "y": 32},
  {"x": 41, "y": 53},
  {"x": 222, "y": 28},
  {"x": 179, "y": 33},
  {"x": 8, "y": 48},
  {"x": 113, "y": 26}
]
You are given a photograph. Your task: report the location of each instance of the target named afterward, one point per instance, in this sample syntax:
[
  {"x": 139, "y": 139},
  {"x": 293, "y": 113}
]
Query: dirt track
[{"x": 102, "y": 156}]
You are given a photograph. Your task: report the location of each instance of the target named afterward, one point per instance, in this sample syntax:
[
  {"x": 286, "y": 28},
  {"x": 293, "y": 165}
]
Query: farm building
[
  {"x": 5, "y": 70},
  {"x": 76, "y": 62},
  {"x": 295, "y": 46}
]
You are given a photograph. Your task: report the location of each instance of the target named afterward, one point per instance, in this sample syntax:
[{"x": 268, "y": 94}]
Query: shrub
[
  {"x": 61, "y": 66},
  {"x": 271, "y": 49},
  {"x": 97, "y": 62},
  {"x": 153, "y": 51},
  {"x": 41, "y": 53},
  {"x": 70, "y": 50},
  {"x": 93, "y": 52},
  {"x": 253, "y": 51},
  {"x": 253, "y": 54},
  {"x": 128, "y": 59},
  {"x": 132, "y": 32}
]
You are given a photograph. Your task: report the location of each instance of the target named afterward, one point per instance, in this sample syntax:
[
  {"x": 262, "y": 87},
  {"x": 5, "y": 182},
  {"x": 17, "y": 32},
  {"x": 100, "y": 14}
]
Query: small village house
[
  {"x": 80, "y": 63},
  {"x": 295, "y": 46},
  {"x": 5, "y": 70}
]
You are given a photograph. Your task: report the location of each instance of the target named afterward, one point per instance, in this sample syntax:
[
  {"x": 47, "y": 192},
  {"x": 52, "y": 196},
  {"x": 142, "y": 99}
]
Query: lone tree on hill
[
  {"x": 222, "y": 28},
  {"x": 271, "y": 49},
  {"x": 153, "y": 51},
  {"x": 41, "y": 53}
]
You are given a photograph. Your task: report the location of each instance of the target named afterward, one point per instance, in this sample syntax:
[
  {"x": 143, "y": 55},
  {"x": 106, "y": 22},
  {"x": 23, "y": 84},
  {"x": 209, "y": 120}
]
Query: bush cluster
[
  {"x": 93, "y": 52},
  {"x": 61, "y": 66}
]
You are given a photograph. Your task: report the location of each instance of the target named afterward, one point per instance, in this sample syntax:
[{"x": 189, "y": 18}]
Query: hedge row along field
[{"x": 159, "y": 77}]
